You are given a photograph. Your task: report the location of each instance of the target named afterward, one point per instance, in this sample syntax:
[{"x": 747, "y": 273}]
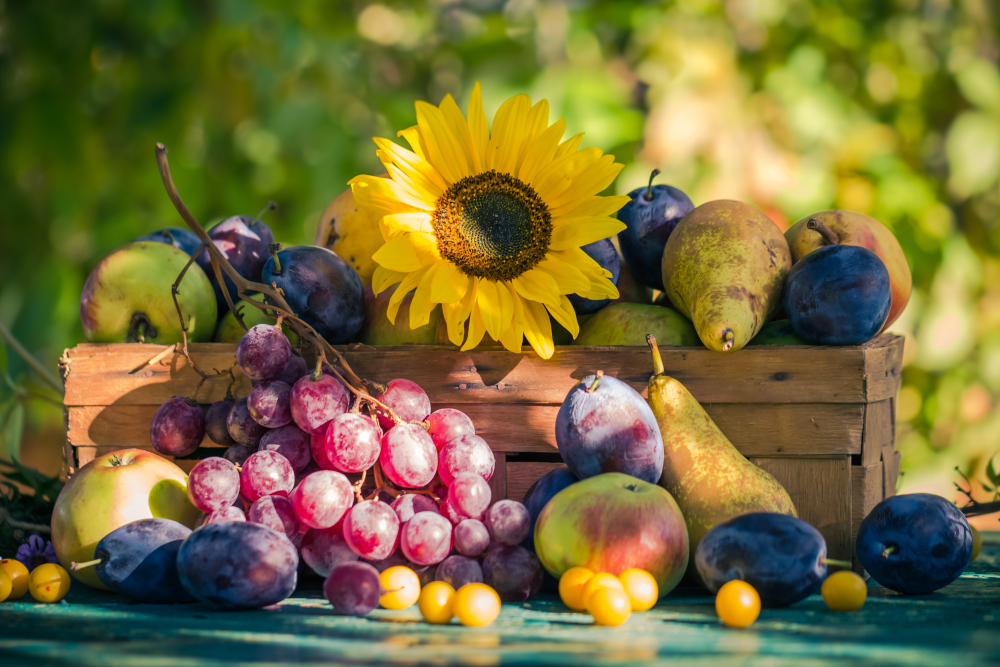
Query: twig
[
  {"x": 974, "y": 507},
  {"x": 163, "y": 353},
  {"x": 23, "y": 525},
  {"x": 359, "y": 484},
  {"x": 36, "y": 365}
]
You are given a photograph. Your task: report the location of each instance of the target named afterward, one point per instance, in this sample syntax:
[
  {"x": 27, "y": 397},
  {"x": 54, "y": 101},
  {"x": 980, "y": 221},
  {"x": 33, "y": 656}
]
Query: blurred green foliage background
[{"x": 887, "y": 107}]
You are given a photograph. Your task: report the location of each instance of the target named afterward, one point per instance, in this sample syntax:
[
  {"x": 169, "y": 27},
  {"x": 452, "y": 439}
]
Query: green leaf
[
  {"x": 11, "y": 428},
  {"x": 992, "y": 474}
]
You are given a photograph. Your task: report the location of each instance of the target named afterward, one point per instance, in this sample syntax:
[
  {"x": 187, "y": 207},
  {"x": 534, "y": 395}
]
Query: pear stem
[
  {"x": 273, "y": 249},
  {"x": 729, "y": 339},
  {"x": 838, "y": 563},
  {"x": 657, "y": 359},
  {"x": 648, "y": 196},
  {"x": 75, "y": 567},
  {"x": 830, "y": 237}
]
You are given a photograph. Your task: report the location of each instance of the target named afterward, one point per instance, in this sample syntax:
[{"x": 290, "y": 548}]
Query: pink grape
[
  {"x": 459, "y": 571},
  {"x": 353, "y": 589},
  {"x": 242, "y": 426},
  {"x": 225, "y": 514},
  {"x": 513, "y": 572},
  {"x": 394, "y": 559},
  {"x": 448, "y": 424},
  {"x": 407, "y": 400},
  {"x": 215, "y": 423},
  {"x": 426, "y": 538},
  {"x": 291, "y": 442},
  {"x": 178, "y": 427},
  {"x": 238, "y": 454},
  {"x": 371, "y": 529},
  {"x": 408, "y": 457},
  {"x": 450, "y": 512},
  {"x": 275, "y": 512},
  {"x": 469, "y": 494},
  {"x": 352, "y": 443},
  {"x": 263, "y": 352},
  {"x": 467, "y": 453},
  {"x": 409, "y": 504},
  {"x": 294, "y": 369},
  {"x": 213, "y": 483},
  {"x": 316, "y": 402},
  {"x": 325, "y": 548},
  {"x": 471, "y": 537},
  {"x": 317, "y": 446},
  {"x": 321, "y": 499},
  {"x": 508, "y": 522},
  {"x": 268, "y": 403},
  {"x": 266, "y": 474}
]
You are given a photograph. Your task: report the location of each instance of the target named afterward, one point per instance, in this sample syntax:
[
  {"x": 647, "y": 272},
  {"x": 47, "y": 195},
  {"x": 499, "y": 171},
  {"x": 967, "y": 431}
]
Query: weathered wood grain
[
  {"x": 880, "y": 430},
  {"x": 498, "y": 481},
  {"x": 100, "y": 374},
  {"x": 891, "y": 461},
  {"x": 883, "y": 367},
  {"x": 520, "y": 477},
  {"x": 768, "y": 429},
  {"x": 821, "y": 491}
]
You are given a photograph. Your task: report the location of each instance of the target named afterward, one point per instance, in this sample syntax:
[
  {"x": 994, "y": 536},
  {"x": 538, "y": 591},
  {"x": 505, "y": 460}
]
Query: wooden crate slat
[
  {"x": 879, "y": 431},
  {"x": 821, "y": 491},
  {"x": 99, "y": 375},
  {"x": 521, "y": 475},
  {"x": 498, "y": 481},
  {"x": 883, "y": 367},
  {"x": 890, "y": 472},
  {"x": 770, "y": 429}
]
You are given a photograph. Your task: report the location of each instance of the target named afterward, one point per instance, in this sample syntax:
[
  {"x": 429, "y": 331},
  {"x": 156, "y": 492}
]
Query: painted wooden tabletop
[{"x": 956, "y": 626}]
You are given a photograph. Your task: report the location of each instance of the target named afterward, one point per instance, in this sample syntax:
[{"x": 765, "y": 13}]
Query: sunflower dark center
[{"x": 492, "y": 226}]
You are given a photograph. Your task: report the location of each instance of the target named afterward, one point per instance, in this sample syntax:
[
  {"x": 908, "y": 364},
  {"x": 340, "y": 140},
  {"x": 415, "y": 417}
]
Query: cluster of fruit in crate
[{"x": 716, "y": 274}]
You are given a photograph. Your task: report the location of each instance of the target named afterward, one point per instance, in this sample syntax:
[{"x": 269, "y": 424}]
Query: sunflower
[{"x": 490, "y": 224}]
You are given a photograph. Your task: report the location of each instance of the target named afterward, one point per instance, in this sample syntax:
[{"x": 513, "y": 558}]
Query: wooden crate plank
[
  {"x": 101, "y": 375},
  {"x": 866, "y": 492},
  {"x": 520, "y": 476},
  {"x": 879, "y": 430},
  {"x": 498, "y": 481},
  {"x": 890, "y": 471},
  {"x": 883, "y": 367},
  {"x": 769, "y": 429},
  {"x": 821, "y": 491}
]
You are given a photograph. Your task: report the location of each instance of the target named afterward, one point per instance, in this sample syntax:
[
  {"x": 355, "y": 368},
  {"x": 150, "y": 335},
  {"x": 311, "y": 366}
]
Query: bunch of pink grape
[{"x": 295, "y": 439}]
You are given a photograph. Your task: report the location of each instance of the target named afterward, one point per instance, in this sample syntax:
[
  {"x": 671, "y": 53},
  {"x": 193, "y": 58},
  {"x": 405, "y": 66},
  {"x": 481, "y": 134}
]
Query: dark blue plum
[
  {"x": 650, "y": 217},
  {"x": 178, "y": 237},
  {"x": 243, "y": 239},
  {"x": 915, "y": 543},
  {"x": 604, "y": 425},
  {"x": 322, "y": 289},
  {"x": 837, "y": 295},
  {"x": 780, "y": 556},
  {"x": 604, "y": 253},
  {"x": 353, "y": 588},
  {"x": 139, "y": 561},
  {"x": 238, "y": 565},
  {"x": 539, "y": 495}
]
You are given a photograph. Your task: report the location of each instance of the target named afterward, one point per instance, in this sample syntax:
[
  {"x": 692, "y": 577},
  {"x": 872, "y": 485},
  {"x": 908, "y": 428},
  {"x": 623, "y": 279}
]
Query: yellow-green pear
[
  {"x": 723, "y": 267},
  {"x": 710, "y": 480}
]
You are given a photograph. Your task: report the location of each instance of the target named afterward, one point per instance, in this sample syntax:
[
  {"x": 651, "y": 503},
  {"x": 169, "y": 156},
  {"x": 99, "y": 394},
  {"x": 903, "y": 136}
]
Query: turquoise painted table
[{"x": 958, "y": 626}]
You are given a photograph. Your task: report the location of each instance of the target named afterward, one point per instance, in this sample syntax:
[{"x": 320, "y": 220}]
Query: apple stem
[
  {"x": 270, "y": 206},
  {"x": 273, "y": 249},
  {"x": 658, "y": 368},
  {"x": 834, "y": 561},
  {"x": 830, "y": 237},
  {"x": 166, "y": 234},
  {"x": 728, "y": 340},
  {"x": 649, "y": 188},
  {"x": 75, "y": 567}
]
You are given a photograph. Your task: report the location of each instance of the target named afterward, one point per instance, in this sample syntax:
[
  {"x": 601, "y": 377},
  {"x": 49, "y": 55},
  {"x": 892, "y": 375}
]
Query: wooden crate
[{"x": 820, "y": 419}]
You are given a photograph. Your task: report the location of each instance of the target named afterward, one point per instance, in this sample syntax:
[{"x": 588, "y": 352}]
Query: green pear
[
  {"x": 127, "y": 297},
  {"x": 723, "y": 267},
  {"x": 628, "y": 324},
  {"x": 710, "y": 480},
  {"x": 378, "y": 330},
  {"x": 778, "y": 332}
]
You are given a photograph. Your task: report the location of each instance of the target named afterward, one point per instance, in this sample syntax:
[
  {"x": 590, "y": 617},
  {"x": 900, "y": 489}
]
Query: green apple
[
  {"x": 127, "y": 297},
  {"x": 107, "y": 493},
  {"x": 628, "y": 323},
  {"x": 168, "y": 499},
  {"x": 610, "y": 523}
]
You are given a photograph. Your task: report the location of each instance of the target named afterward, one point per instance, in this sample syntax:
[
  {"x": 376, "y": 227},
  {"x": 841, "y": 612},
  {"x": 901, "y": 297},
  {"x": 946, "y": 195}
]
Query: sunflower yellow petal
[
  {"x": 582, "y": 231},
  {"x": 476, "y": 329},
  {"x": 537, "y": 285},
  {"x": 537, "y": 121},
  {"x": 443, "y": 148},
  {"x": 397, "y": 254},
  {"x": 383, "y": 278},
  {"x": 538, "y": 329},
  {"x": 600, "y": 288},
  {"x": 541, "y": 151},
  {"x": 405, "y": 287},
  {"x": 450, "y": 284},
  {"x": 412, "y": 136},
  {"x": 569, "y": 146},
  {"x": 400, "y": 223},
  {"x": 478, "y": 128},
  {"x": 460, "y": 130},
  {"x": 384, "y": 193},
  {"x": 569, "y": 278},
  {"x": 594, "y": 180},
  {"x": 455, "y": 314},
  {"x": 557, "y": 176},
  {"x": 513, "y": 337},
  {"x": 422, "y": 303},
  {"x": 411, "y": 162},
  {"x": 425, "y": 246},
  {"x": 565, "y": 315},
  {"x": 595, "y": 206},
  {"x": 507, "y": 134},
  {"x": 495, "y": 307}
]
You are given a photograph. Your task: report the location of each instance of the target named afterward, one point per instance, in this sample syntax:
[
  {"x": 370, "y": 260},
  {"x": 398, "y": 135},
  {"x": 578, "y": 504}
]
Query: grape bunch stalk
[{"x": 301, "y": 446}]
